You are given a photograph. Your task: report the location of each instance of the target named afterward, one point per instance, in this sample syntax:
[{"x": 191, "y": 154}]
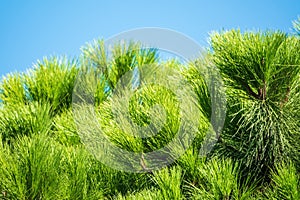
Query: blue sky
[{"x": 31, "y": 29}]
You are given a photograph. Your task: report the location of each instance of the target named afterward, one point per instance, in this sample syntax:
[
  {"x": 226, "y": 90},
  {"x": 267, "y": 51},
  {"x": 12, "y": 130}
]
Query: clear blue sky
[{"x": 31, "y": 29}]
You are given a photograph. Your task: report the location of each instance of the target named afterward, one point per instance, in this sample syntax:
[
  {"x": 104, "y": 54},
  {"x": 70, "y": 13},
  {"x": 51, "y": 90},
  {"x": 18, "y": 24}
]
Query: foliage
[
  {"x": 12, "y": 90},
  {"x": 148, "y": 194},
  {"x": 285, "y": 182},
  {"x": 296, "y": 25},
  {"x": 27, "y": 173},
  {"x": 64, "y": 129},
  {"x": 43, "y": 154},
  {"x": 219, "y": 179},
  {"x": 110, "y": 68},
  {"x": 36, "y": 169},
  {"x": 169, "y": 182},
  {"x": 259, "y": 70},
  {"x": 52, "y": 81},
  {"x": 18, "y": 120}
]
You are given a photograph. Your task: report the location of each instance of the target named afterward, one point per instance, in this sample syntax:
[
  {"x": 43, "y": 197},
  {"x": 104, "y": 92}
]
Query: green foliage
[
  {"x": 42, "y": 151},
  {"x": 82, "y": 175},
  {"x": 115, "y": 122},
  {"x": 148, "y": 194},
  {"x": 64, "y": 129},
  {"x": 191, "y": 161},
  {"x": 17, "y": 120},
  {"x": 296, "y": 25},
  {"x": 52, "y": 81},
  {"x": 203, "y": 76},
  {"x": 140, "y": 112},
  {"x": 123, "y": 58},
  {"x": 285, "y": 183},
  {"x": 169, "y": 182},
  {"x": 219, "y": 179},
  {"x": 12, "y": 90},
  {"x": 262, "y": 66},
  {"x": 31, "y": 170},
  {"x": 195, "y": 74},
  {"x": 260, "y": 71},
  {"x": 40, "y": 168}
]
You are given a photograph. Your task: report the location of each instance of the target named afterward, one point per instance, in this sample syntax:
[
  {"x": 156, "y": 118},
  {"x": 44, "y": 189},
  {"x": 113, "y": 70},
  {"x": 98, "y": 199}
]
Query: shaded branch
[{"x": 249, "y": 90}]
